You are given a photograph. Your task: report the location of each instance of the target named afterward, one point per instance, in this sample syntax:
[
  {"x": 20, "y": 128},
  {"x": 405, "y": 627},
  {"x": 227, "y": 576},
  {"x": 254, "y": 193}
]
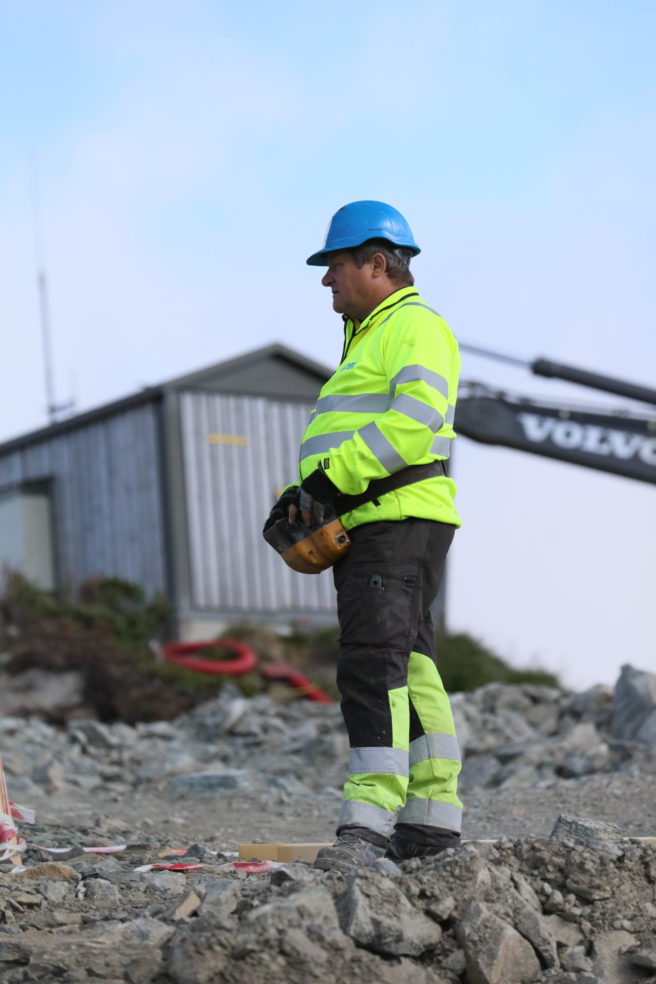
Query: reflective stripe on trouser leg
[
  {"x": 378, "y": 776},
  {"x": 432, "y": 797}
]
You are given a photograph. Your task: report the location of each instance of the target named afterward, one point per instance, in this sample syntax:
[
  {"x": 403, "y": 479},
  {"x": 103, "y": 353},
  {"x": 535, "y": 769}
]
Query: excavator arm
[{"x": 622, "y": 444}]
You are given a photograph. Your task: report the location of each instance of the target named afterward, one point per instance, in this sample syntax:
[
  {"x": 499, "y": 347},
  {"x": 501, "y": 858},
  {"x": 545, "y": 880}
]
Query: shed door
[{"x": 26, "y": 534}]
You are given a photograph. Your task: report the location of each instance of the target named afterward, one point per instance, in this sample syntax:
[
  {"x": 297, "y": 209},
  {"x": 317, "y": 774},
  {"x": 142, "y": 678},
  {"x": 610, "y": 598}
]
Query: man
[{"x": 387, "y": 409}]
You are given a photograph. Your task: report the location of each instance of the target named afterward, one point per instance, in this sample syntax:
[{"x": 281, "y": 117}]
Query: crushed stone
[{"x": 565, "y": 894}]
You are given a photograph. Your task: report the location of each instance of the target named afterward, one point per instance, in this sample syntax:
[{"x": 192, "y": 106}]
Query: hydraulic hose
[{"x": 181, "y": 653}]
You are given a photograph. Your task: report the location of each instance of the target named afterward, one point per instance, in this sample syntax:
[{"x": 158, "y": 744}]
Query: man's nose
[{"x": 327, "y": 278}]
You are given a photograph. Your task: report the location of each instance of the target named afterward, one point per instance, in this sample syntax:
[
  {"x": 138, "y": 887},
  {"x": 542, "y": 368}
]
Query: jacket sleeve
[{"x": 420, "y": 360}]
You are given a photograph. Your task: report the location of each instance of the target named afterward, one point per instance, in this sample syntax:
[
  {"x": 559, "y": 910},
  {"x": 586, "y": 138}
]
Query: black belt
[{"x": 379, "y": 486}]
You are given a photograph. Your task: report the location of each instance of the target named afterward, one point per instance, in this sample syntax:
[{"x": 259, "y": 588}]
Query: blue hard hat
[{"x": 357, "y": 222}]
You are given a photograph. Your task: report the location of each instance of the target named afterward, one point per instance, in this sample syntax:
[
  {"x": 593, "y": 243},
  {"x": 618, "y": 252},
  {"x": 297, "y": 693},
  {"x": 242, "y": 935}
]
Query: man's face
[{"x": 351, "y": 287}]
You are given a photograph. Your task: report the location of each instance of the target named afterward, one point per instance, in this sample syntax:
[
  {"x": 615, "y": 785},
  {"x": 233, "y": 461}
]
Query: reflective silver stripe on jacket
[
  {"x": 441, "y": 446},
  {"x": 450, "y": 414},
  {"x": 324, "y": 442},
  {"x": 408, "y": 405},
  {"x": 432, "y": 813},
  {"x": 434, "y": 745},
  {"x": 353, "y": 403},
  {"x": 355, "y": 813},
  {"x": 377, "y": 443},
  {"x": 384, "y": 452},
  {"x": 420, "y": 374},
  {"x": 417, "y": 410},
  {"x": 376, "y": 760}
]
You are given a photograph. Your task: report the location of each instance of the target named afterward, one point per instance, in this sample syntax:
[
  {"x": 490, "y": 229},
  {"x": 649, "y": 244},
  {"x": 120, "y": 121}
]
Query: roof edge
[
  {"x": 276, "y": 350},
  {"x": 147, "y": 395},
  {"x": 155, "y": 393}
]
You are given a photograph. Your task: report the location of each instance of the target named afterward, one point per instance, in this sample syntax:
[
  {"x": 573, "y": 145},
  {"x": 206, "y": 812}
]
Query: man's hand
[
  {"x": 316, "y": 496},
  {"x": 281, "y": 508}
]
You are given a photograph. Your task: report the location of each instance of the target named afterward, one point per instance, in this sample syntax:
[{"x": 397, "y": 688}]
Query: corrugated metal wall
[
  {"x": 106, "y": 493},
  {"x": 239, "y": 452}
]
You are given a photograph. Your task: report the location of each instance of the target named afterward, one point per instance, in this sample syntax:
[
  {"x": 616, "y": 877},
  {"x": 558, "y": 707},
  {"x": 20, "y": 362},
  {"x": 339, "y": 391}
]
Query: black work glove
[
  {"x": 281, "y": 508},
  {"x": 316, "y": 498}
]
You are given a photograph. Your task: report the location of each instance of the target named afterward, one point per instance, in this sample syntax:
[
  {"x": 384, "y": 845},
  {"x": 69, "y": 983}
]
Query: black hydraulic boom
[
  {"x": 556, "y": 370},
  {"x": 572, "y": 374},
  {"x": 622, "y": 444}
]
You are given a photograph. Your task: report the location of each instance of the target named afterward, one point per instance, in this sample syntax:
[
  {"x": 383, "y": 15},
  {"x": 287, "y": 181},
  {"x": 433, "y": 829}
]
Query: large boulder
[
  {"x": 494, "y": 951},
  {"x": 634, "y": 706}
]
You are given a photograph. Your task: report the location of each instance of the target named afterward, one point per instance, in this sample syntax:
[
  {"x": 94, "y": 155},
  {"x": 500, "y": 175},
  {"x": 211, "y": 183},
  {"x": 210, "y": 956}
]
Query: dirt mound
[
  {"x": 578, "y": 907},
  {"x": 90, "y": 657},
  {"x": 532, "y": 909},
  {"x": 103, "y": 678}
]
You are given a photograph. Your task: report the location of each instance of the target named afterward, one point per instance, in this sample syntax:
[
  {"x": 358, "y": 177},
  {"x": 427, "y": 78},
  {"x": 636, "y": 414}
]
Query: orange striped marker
[{"x": 8, "y": 832}]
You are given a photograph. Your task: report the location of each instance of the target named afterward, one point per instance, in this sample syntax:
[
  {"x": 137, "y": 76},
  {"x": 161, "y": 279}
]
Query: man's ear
[{"x": 378, "y": 265}]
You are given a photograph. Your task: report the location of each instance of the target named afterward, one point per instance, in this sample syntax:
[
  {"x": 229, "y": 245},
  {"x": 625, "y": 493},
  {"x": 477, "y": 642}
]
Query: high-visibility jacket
[{"x": 389, "y": 404}]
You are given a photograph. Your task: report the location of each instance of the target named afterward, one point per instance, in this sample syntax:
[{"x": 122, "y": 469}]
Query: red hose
[
  {"x": 245, "y": 660},
  {"x": 180, "y": 653},
  {"x": 300, "y": 683}
]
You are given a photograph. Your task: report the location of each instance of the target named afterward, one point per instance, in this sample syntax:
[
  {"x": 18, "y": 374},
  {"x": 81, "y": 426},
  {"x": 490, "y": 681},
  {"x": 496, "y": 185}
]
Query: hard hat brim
[{"x": 322, "y": 258}]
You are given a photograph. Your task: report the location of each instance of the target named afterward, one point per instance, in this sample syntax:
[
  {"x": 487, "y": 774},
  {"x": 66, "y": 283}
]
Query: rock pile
[
  {"x": 578, "y": 907},
  {"x": 518, "y": 736},
  {"x": 541, "y": 909}
]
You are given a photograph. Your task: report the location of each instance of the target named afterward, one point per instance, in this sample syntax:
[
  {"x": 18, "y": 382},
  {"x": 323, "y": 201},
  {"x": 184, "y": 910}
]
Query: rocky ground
[{"x": 572, "y": 904}]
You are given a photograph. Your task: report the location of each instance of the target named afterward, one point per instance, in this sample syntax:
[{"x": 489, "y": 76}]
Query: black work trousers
[{"x": 404, "y": 756}]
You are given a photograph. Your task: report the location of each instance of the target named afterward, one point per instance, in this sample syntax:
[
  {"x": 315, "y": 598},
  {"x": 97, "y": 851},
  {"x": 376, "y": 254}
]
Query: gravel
[{"x": 564, "y": 783}]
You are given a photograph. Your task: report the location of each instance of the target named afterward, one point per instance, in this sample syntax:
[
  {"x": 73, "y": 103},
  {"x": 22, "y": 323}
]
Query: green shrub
[
  {"x": 465, "y": 663},
  {"x": 121, "y": 607},
  {"x": 21, "y": 605},
  {"x": 111, "y": 604}
]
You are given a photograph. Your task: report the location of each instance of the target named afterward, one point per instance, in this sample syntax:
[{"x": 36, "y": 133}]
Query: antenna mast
[{"x": 53, "y": 408}]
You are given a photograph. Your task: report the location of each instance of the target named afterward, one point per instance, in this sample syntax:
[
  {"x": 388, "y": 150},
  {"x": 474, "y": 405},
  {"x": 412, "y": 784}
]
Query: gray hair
[{"x": 397, "y": 259}]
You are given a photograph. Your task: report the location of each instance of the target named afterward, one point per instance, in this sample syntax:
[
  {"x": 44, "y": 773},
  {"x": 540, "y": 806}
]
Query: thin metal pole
[
  {"x": 42, "y": 290},
  {"x": 47, "y": 347}
]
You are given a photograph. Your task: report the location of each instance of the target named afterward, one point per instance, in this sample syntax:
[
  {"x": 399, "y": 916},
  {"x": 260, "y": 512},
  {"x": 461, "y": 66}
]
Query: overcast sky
[{"x": 189, "y": 156}]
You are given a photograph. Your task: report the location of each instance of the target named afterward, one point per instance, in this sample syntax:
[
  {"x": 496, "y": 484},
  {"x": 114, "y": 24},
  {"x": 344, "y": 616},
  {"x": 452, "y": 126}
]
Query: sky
[{"x": 170, "y": 165}]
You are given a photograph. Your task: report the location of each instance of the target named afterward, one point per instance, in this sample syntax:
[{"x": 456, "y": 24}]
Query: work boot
[
  {"x": 414, "y": 840},
  {"x": 352, "y": 850}
]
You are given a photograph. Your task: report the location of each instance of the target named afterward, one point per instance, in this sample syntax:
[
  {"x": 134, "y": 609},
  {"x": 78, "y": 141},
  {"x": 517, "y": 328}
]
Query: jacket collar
[
  {"x": 385, "y": 305},
  {"x": 353, "y": 328},
  {"x": 388, "y": 303}
]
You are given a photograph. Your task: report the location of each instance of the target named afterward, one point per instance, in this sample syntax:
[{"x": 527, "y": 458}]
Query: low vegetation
[{"x": 112, "y": 634}]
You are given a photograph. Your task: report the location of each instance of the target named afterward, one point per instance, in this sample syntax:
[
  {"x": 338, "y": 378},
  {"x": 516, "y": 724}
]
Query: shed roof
[{"x": 275, "y": 371}]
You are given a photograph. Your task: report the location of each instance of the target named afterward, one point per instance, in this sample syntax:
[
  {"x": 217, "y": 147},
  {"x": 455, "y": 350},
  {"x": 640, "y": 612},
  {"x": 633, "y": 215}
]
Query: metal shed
[{"x": 169, "y": 488}]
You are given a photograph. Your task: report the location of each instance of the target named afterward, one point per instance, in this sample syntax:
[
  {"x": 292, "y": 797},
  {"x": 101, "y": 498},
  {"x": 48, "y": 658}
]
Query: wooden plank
[
  {"x": 258, "y": 852},
  {"x": 299, "y": 852},
  {"x": 280, "y": 852},
  {"x": 307, "y": 852}
]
